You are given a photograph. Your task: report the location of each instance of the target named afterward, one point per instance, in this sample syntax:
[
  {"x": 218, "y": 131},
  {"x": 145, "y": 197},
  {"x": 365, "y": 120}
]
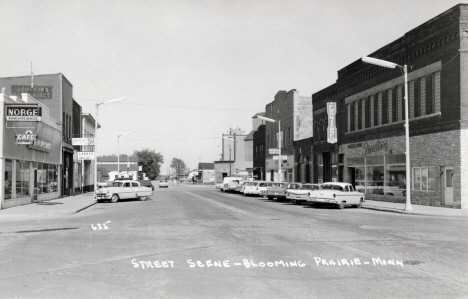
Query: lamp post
[
  {"x": 230, "y": 161},
  {"x": 392, "y": 65},
  {"x": 118, "y": 150},
  {"x": 95, "y": 135},
  {"x": 280, "y": 159}
]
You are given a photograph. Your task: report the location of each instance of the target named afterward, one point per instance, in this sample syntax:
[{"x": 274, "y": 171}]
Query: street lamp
[
  {"x": 392, "y": 65},
  {"x": 280, "y": 159},
  {"x": 230, "y": 161},
  {"x": 118, "y": 150},
  {"x": 95, "y": 135}
]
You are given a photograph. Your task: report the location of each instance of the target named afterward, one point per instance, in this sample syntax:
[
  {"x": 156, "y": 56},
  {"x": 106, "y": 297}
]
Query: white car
[
  {"x": 298, "y": 196},
  {"x": 122, "y": 190},
  {"x": 340, "y": 194},
  {"x": 252, "y": 188},
  {"x": 163, "y": 184}
]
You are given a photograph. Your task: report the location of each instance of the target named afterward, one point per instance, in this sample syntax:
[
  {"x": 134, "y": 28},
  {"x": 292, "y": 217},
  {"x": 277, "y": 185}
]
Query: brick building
[{"x": 370, "y": 147}]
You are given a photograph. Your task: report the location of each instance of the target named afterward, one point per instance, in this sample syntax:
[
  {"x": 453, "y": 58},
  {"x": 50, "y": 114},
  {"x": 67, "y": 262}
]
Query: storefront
[
  {"x": 287, "y": 169},
  {"x": 29, "y": 152},
  {"x": 378, "y": 168}
]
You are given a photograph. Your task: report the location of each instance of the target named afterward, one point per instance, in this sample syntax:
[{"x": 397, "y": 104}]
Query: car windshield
[
  {"x": 117, "y": 184},
  {"x": 294, "y": 186}
]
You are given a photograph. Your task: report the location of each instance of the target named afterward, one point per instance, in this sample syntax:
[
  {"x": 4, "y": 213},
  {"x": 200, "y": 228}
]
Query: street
[{"x": 194, "y": 241}]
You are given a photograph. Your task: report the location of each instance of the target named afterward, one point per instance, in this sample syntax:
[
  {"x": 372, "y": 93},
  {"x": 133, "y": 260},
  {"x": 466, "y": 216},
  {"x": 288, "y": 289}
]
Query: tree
[
  {"x": 150, "y": 162},
  {"x": 178, "y": 165}
]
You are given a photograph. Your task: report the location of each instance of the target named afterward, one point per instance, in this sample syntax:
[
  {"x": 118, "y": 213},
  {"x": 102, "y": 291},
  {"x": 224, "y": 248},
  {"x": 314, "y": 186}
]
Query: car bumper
[
  {"x": 322, "y": 200},
  {"x": 102, "y": 196}
]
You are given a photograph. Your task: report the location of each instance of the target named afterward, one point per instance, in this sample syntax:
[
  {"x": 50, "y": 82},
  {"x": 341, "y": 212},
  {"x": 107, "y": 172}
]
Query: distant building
[
  {"x": 128, "y": 167},
  {"x": 206, "y": 172}
]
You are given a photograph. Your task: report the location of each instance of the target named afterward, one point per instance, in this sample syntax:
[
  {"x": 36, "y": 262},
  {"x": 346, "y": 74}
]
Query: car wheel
[
  {"x": 115, "y": 198},
  {"x": 296, "y": 202},
  {"x": 143, "y": 198},
  {"x": 341, "y": 205},
  {"x": 269, "y": 197}
]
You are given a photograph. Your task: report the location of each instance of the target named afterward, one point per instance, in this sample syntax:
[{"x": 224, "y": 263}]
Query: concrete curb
[{"x": 382, "y": 209}]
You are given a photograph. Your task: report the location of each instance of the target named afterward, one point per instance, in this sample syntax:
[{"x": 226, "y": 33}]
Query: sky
[{"x": 190, "y": 70}]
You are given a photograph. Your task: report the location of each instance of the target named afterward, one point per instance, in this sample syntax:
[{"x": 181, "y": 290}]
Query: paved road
[{"x": 196, "y": 242}]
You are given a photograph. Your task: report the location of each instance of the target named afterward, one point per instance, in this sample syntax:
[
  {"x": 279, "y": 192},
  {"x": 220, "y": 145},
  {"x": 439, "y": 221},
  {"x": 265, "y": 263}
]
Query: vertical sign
[{"x": 331, "y": 130}]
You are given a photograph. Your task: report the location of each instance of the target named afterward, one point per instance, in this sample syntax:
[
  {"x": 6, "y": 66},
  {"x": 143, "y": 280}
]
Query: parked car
[
  {"x": 277, "y": 190},
  {"x": 241, "y": 187},
  {"x": 252, "y": 188},
  {"x": 228, "y": 184},
  {"x": 298, "y": 196},
  {"x": 231, "y": 185},
  {"x": 163, "y": 184},
  {"x": 263, "y": 188},
  {"x": 339, "y": 194},
  {"x": 122, "y": 190},
  {"x": 147, "y": 183}
]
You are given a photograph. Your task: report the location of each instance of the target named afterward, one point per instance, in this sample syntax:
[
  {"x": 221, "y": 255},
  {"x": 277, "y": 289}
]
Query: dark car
[{"x": 147, "y": 183}]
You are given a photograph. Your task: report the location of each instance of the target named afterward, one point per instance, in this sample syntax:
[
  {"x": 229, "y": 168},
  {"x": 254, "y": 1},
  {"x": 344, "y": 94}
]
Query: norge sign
[{"x": 23, "y": 113}]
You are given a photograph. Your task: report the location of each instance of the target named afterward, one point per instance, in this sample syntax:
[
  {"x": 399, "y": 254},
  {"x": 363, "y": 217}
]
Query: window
[
  {"x": 417, "y": 98},
  {"x": 394, "y": 105},
  {"x": 22, "y": 178},
  {"x": 368, "y": 111},
  {"x": 376, "y": 110},
  {"x": 384, "y": 108},
  {"x": 424, "y": 178},
  {"x": 352, "y": 116},
  {"x": 360, "y": 116}
]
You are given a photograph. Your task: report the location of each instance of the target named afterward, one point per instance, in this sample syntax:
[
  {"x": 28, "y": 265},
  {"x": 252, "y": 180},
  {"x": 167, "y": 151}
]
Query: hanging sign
[
  {"x": 85, "y": 155},
  {"x": 331, "y": 130},
  {"x": 82, "y": 141},
  {"x": 27, "y": 137}
]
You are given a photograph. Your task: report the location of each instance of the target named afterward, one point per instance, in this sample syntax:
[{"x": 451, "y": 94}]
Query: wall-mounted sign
[
  {"x": 278, "y": 157},
  {"x": 273, "y": 151},
  {"x": 331, "y": 130},
  {"x": 27, "y": 137},
  {"x": 41, "y": 145},
  {"x": 85, "y": 155},
  {"x": 23, "y": 113},
  {"x": 376, "y": 146},
  {"x": 38, "y": 92},
  {"x": 82, "y": 141}
]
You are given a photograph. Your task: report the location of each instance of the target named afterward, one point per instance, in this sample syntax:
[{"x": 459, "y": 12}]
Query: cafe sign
[
  {"x": 23, "y": 113},
  {"x": 27, "y": 137},
  {"x": 331, "y": 130}
]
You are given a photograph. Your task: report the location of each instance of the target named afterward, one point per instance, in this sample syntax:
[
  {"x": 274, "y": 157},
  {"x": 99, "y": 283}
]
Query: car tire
[
  {"x": 341, "y": 205},
  {"x": 269, "y": 197},
  {"x": 142, "y": 198},
  {"x": 115, "y": 198}
]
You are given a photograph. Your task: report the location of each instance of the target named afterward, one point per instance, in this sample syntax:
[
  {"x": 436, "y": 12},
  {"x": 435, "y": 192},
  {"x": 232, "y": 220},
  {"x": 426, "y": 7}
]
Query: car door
[
  {"x": 127, "y": 190},
  {"x": 354, "y": 196}
]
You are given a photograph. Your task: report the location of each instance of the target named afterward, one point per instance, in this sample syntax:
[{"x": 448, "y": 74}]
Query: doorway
[{"x": 448, "y": 185}]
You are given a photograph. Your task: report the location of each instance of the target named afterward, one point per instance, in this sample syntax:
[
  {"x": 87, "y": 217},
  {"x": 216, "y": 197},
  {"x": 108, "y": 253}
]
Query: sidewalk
[
  {"x": 50, "y": 209},
  {"x": 417, "y": 209}
]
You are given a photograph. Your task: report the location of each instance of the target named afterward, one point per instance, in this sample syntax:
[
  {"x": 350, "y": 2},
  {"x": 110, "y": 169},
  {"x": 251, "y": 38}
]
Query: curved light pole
[
  {"x": 280, "y": 159},
  {"x": 95, "y": 135},
  {"x": 392, "y": 65},
  {"x": 118, "y": 150},
  {"x": 230, "y": 161}
]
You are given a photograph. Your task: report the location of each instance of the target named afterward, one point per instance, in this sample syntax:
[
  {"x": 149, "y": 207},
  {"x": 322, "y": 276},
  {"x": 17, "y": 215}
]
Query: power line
[{"x": 178, "y": 107}]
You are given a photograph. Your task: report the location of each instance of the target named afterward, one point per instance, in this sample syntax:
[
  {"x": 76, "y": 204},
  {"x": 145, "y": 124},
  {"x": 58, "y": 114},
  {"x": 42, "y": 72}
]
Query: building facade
[
  {"x": 56, "y": 93},
  {"x": 30, "y": 151},
  {"x": 369, "y": 150},
  {"x": 293, "y": 115}
]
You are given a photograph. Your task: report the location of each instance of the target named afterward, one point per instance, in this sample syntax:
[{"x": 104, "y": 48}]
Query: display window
[
  {"x": 22, "y": 178},
  {"x": 8, "y": 179}
]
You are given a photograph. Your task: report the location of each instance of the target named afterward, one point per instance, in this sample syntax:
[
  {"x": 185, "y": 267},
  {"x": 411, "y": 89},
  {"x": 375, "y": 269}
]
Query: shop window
[
  {"x": 8, "y": 179},
  {"x": 360, "y": 179},
  {"x": 22, "y": 178},
  {"x": 375, "y": 180},
  {"x": 424, "y": 178},
  {"x": 395, "y": 180}
]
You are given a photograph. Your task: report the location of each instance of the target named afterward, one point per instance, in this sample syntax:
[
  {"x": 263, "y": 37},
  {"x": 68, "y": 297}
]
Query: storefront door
[{"x": 448, "y": 182}]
